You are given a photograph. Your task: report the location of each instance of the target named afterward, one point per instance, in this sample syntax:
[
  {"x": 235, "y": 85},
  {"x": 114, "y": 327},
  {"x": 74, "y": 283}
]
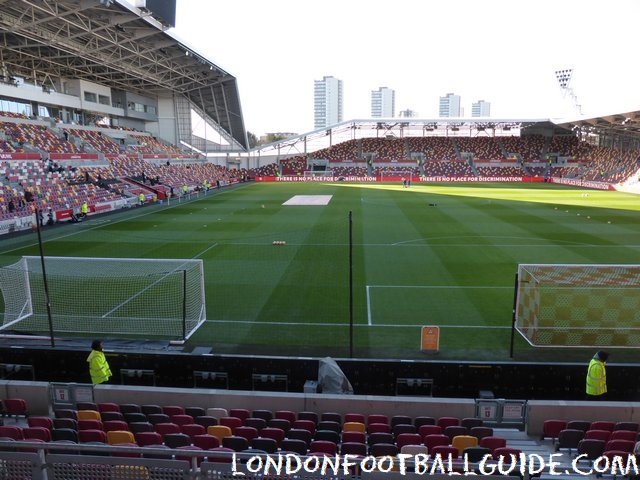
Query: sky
[{"x": 505, "y": 52}]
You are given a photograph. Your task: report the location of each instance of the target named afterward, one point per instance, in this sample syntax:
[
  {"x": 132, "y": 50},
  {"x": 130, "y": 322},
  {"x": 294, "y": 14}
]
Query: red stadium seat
[{"x": 551, "y": 429}]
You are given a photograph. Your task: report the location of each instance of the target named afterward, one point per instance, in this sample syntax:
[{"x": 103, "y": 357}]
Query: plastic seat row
[
  {"x": 327, "y": 424},
  {"x": 43, "y": 434},
  {"x": 551, "y": 428},
  {"x": 369, "y": 419},
  {"x": 269, "y": 445},
  {"x": 112, "y": 411},
  {"x": 572, "y": 439},
  {"x": 568, "y": 434},
  {"x": 326, "y": 420}
]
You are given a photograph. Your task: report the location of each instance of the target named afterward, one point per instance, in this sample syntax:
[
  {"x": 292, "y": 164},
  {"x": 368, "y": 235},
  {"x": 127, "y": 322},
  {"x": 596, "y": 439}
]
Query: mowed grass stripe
[{"x": 258, "y": 293}]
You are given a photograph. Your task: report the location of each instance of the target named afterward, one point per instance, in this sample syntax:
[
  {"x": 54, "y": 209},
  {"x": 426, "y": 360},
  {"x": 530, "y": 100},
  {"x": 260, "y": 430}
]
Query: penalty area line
[
  {"x": 433, "y": 287},
  {"x": 333, "y": 325},
  {"x": 201, "y": 253},
  {"x": 452, "y": 287}
]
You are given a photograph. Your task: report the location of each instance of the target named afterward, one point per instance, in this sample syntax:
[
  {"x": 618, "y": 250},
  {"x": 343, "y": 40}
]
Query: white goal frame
[
  {"x": 578, "y": 305},
  {"x": 318, "y": 173},
  {"x": 116, "y": 297},
  {"x": 394, "y": 175}
]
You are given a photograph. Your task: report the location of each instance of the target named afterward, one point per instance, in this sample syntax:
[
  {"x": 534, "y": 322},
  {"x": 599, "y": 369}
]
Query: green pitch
[{"x": 431, "y": 254}]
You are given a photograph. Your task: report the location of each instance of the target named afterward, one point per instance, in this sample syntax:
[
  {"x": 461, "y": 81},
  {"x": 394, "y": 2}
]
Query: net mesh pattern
[{"x": 579, "y": 305}]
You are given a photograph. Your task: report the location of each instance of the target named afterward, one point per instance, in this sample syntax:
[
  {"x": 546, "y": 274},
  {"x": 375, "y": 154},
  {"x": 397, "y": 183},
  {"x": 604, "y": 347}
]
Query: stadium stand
[
  {"x": 51, "y": 165},
  {"x": 203, "y": 446},
  {"x": 117, "y": 177}
]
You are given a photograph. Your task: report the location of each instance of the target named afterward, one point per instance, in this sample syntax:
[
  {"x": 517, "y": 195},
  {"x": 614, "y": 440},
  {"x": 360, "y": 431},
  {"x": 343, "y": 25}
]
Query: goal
[
  {"x": 397, "y": 175},
  {"x": 115, "y": 297},
  {"x": 318, "y": 173},
  {"x": 578, "y": 305}
]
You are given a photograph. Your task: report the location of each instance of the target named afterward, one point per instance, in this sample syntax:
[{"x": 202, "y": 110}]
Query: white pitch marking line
[
  {"x": 440, "y": 286},
  {"x": 333, "y": 325},
  {"x": 369, "y": 322},
  {"x": 457, "y": 287}
]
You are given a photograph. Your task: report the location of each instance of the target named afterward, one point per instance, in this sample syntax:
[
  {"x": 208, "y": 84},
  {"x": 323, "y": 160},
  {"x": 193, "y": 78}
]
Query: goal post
[
  {"x": 318, "y": 173},
  {"x": 14, "y": 284},
  {"x": 578, "y": 305},
  {"x": 397, "y": 175},
  {"x": 117, "y": 297}
]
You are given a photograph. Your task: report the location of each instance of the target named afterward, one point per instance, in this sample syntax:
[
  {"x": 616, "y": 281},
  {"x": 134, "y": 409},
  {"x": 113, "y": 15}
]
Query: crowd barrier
[{"x": 50, "y": 461}]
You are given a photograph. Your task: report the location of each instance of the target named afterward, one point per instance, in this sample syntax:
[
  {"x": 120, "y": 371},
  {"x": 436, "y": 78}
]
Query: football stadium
[{"x": 429, "y": 287}]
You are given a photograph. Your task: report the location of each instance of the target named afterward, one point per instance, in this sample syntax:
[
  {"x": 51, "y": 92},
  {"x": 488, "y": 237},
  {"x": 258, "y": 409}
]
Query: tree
[
  {"x": 274, "y": 137},
  {"x": 252, "y": 139}
]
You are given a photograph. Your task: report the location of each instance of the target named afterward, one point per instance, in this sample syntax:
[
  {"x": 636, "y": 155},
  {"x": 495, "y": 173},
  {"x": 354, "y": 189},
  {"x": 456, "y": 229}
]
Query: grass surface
[{"x": 432, "y": 254}]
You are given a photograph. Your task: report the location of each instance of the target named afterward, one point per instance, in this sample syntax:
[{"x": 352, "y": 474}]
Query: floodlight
[{"x": 564, "y": 77}]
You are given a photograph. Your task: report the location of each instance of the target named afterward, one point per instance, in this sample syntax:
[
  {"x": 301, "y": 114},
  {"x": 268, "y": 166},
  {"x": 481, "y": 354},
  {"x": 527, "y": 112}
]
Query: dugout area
[{"x": 153, "y": 364}]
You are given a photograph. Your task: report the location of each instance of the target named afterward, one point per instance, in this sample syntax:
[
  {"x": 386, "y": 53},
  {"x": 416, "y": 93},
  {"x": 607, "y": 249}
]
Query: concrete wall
[
  {"x": 38, "y": 395},
  {"x": 35, "y": 393},
  {"x": 413, "y": 406}
]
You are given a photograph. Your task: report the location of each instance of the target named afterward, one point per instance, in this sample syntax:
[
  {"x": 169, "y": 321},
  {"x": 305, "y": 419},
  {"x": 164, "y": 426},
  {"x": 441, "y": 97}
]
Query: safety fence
[{"x": 65, "y": 461}]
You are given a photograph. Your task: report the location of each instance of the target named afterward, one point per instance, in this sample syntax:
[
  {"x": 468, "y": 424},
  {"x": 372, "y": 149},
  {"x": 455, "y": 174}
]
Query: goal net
[
  {"x": 122, "y": 297},
  {"x": 578, "y": 305},
  {"x": 318, "y": 173},
  {"x": 397, "y": 175}
]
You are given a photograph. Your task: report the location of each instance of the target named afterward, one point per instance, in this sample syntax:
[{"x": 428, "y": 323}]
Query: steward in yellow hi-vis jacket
[
  {"x": 597, "y": 375},
  {"x": 98, "y": 366}
]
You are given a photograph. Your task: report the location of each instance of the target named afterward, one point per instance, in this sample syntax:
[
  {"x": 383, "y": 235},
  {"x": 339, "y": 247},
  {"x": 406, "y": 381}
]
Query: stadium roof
[
  {"x": 621, "y": 124},
  {"x": 616, "y": 126},
  {"x": 121, "y": 46},
  {"x": 125, "y": 46},
  {"x": 399, "y": 128}
]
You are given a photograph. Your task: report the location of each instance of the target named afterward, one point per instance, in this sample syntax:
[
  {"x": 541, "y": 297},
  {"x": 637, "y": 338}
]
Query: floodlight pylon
[{"x": 564, "y": 81}]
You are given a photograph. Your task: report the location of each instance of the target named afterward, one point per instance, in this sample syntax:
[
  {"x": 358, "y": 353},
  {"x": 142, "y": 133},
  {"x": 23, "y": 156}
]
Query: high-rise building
[
  {"x": 450, "y": 106},
  {"x": 481, "y": 109},
  {"x": 383, "y": 103},
  {"x": 327, "y": 101}
]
